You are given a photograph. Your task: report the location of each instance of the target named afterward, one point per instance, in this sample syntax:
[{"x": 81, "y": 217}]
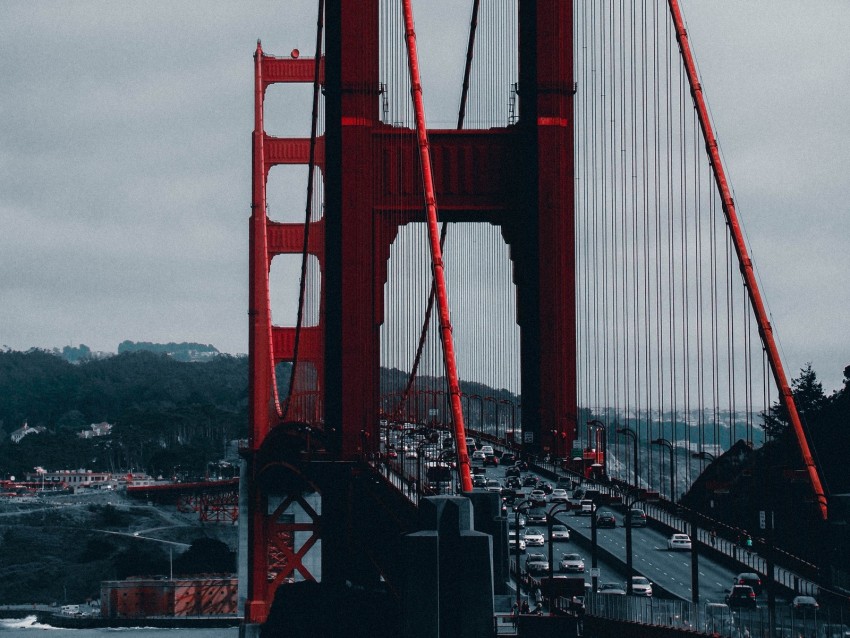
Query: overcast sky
[{"x": 125, "y": 161}]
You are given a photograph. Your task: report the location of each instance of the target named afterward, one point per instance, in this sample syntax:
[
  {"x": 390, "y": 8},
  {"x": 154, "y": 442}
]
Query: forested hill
[{"x": 162, "y": 409}]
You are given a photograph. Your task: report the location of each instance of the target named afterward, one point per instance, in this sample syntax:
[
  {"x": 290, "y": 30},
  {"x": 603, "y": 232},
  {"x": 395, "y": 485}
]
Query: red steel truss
[{"x": 519, "y": 177}]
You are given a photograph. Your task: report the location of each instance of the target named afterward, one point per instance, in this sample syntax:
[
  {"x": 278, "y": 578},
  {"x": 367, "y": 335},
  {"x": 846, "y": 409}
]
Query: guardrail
[{"x": 719, "y": 619}]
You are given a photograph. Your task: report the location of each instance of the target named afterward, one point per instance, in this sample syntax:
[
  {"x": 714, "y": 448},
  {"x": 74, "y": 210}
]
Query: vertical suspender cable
[
  {"x": 765, "y": 329},
  {"x": 436, "y": 251},
  {"x": 311, "y": 167}
]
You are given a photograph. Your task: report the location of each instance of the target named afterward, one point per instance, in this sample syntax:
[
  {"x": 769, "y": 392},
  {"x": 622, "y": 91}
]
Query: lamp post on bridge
[
  {"x": 669, "y": 446},
  {"x": 550, "y": 521},
  {"x": 600, "y": 443},
  {"x": 631, "y": 434},
  {"x": 518, "y": 509},
  {"x": 631, "y": 498}
]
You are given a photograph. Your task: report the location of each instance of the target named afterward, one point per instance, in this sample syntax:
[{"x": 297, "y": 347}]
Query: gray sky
[{"x": 125, "y": 161}]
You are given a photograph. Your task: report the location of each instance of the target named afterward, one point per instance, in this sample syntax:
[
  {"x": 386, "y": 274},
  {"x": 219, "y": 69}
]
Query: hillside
[
  {"x": 60, "y": 548},
  {"x": 168, "y": 415}
]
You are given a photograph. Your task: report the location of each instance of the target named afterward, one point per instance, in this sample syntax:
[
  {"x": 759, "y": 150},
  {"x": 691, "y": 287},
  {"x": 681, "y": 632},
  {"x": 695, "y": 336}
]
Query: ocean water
[{"x": 29, "y": 627}]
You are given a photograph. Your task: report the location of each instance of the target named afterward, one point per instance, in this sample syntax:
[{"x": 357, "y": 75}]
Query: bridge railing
[
  {"x": 720, "y": 620},
  {"x": 792, "y": 572}
]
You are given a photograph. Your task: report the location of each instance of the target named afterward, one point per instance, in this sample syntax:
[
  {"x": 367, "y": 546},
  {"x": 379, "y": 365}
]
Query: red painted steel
[
  {"x": 437, "y": 253},
  {"x": 371, "y": 189},
  {"x": 269, "y": 344},
  {"x": 765, "y": 329}
]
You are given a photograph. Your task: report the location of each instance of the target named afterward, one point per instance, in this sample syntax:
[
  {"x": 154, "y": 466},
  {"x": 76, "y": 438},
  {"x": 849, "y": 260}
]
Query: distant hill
[{"x": 184, "y": 351}]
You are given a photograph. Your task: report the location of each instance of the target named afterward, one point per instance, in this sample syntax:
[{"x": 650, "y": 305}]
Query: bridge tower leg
[
  {"x": 522, "y": 181},
  {"x": 542, "y": 235}
]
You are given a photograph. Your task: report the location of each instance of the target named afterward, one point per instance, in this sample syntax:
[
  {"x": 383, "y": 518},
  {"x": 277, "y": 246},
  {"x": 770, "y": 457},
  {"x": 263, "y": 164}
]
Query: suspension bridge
[{"x": 559, "y": 272}]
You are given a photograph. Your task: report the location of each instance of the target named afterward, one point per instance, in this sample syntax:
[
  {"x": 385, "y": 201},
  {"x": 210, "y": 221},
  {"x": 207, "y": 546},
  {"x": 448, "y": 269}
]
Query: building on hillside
[
  {"x": 146, "y": 597},
  {"x": 95, "y": 430},
  {"x": 25, "y": 430}
]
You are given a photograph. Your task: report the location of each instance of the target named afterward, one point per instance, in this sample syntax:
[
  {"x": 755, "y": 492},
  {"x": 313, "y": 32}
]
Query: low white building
[
  {"x": 70, "y": 478},
  {"x": 26, "y": 430},
  {"x": 95, "y": 430}
]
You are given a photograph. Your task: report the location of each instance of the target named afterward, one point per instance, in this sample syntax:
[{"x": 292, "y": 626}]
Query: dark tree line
[
  {"x": 773, "y": 478},
  {"x": 166, "y": 413}
]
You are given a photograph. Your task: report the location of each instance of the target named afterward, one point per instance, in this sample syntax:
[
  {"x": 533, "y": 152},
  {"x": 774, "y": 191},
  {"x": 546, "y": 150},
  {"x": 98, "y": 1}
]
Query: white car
[
  {"x": 572, "y": 563},
  {"x": 493, "y": 485},
  {"x": 487, "y": 449},
  {"x": 560, "y": 533},
  {"x": 478, "y": 455},
  {"x": 558, "y": 495},
  {"x": 641, "y": 586},
  {"x": 537, "y": 497},
  {"x": 679, "y": 541},
  {"x": 534, "y": 538}
]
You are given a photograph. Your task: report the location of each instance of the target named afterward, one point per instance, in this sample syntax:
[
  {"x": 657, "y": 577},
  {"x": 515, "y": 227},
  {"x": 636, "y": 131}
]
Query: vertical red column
[
  {"x": 352, "y": 337},
  {"x": 260, "y": 356},
  {"x": 545, "y": 237}
]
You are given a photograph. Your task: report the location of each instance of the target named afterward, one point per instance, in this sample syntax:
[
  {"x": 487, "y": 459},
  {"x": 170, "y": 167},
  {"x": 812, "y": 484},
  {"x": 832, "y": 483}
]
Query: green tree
[{"x": 808, "y": 397}]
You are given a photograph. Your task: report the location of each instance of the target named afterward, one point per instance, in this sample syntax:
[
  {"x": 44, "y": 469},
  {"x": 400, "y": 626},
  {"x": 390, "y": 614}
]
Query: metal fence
[{"x": 719, "y": 619}]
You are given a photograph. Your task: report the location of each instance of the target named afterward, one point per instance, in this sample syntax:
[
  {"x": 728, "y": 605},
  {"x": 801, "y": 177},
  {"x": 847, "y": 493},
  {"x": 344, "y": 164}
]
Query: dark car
[
  {"x": 637, "y": 517},
  {"x": 536, "y": 517},
  {"x": 512, "y": 471},
  {"x": 508, "y": 458},
  {"x": 751, "y": 579},
  {"x": 513, "y": 482},
  {"x": 546, "y": 487},
  {"x": 490, "y": 459},
  {"x": 741, "y": 596},
  {"x": 604, "y": 518},
  {"x": 522, "y": 466},
  {"x": 803, "y": 604},
  {"x": 529, "y": 481}
]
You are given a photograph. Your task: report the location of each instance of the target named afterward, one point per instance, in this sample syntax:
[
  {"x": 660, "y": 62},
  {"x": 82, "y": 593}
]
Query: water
[{"x": 29, "y": 627}]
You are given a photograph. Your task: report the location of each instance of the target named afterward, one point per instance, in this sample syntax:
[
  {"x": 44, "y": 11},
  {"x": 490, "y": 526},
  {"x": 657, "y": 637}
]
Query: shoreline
[{"x": 97, "y": 622}]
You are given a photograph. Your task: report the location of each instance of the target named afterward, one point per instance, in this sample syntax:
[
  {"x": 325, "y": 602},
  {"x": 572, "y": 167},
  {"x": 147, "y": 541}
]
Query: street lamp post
[
  {"x": 518, "y": 508},
  {"x": 600, "y": 429},
  {"x": 550, "y": 521},
  {"x": 419, "y": 490},
  {"x": 669, "y": 446},
  {"x": 593, "y": 541},
  {"x": 631, "y": 498},
  {"x": 631, "y": 434}
]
